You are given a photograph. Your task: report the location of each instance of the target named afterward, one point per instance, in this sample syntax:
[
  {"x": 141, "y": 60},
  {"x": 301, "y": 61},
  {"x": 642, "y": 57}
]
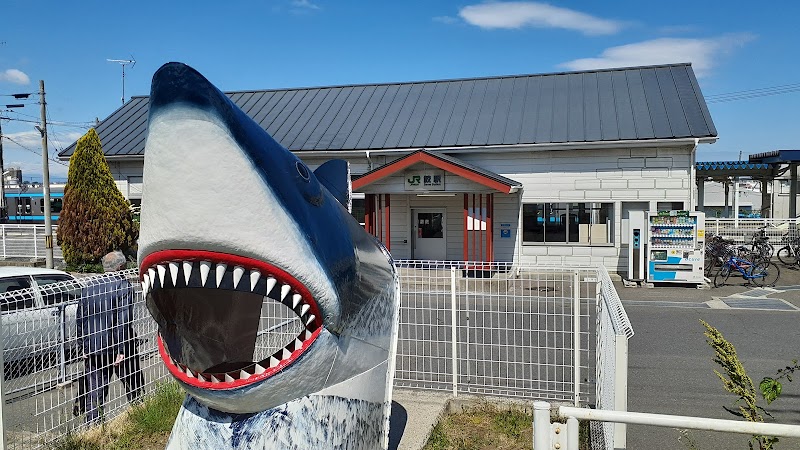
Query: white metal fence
[
  {"x": 613, "y": 331},
  {"x": 742, "y": 230},
  {"x": 508, "y": 330},
  {"x": 46, "y": 378},
  {"x": 547, "y": 435},
  {"x": 25, "y": 241},
  {"x": 484, "y": 328}
]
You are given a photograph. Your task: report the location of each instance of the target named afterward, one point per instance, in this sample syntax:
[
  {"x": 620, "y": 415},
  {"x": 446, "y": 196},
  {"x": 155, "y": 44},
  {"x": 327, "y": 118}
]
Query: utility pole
[
  {"x": 48, "y": 220},
  {"x": 3, "y": 211}
]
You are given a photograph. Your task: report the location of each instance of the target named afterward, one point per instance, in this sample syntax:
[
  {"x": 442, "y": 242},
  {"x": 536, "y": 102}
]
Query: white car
[{"x": 37, "y": 310}]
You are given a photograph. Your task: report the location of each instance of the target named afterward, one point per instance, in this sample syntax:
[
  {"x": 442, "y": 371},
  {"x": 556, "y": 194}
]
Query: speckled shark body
[{"x": 232, "y": 222}]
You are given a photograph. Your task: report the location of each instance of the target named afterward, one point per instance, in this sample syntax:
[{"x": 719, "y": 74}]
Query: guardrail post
[
  {"x": 576, "y": 336},
  {"x": 35, "y": 243},
  {"x": 454, "y": 329},
  {"x": 572, "y": 434},
  {"x": 2, "y": 392},
  {"x": 620, "y": 387},
  {"x": 62, "y": 334},
  {"x": 4, "y": 241},
  {"x": 541, "y": 426}
]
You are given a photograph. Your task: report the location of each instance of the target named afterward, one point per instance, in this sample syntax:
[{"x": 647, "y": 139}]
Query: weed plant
[{"x": 145, "y": 426}]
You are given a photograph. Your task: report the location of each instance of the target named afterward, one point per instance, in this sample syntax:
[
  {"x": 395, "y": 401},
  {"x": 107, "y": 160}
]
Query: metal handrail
[{"x": 543, "y": 439}]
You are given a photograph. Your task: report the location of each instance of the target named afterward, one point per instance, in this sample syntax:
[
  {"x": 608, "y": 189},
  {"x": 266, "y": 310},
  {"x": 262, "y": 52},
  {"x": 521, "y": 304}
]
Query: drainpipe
[
  {"x": 693, "y": 175},
  {"x": 369, "y": 161},
  {"x": 519, "y": 229}
]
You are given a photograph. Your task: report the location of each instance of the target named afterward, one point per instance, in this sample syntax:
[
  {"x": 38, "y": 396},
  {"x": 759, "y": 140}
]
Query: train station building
[{"x": 538, "y": 168}]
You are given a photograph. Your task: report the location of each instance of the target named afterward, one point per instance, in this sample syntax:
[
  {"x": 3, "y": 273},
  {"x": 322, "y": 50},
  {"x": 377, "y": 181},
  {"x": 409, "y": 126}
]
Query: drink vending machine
[{"x": 676, "y": 245}]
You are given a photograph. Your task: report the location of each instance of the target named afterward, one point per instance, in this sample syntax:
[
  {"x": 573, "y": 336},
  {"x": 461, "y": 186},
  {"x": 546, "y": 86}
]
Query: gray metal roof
[
  {"x": 776, "y": 157},
  {"x": 654, "y": 102}
]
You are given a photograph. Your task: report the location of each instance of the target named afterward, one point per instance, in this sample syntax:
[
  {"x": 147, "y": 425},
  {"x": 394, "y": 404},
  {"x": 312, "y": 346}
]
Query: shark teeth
[
  {"x": 254, "y": 370},
  {"x": 195, "y": 274}
]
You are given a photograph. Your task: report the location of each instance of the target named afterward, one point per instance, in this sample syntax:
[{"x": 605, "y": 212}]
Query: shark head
[{"x": 262, "y": 283}]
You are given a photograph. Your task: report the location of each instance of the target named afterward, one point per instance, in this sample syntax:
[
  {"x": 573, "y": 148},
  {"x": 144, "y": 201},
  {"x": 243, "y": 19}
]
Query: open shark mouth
[{"x": 209, "y": 309}]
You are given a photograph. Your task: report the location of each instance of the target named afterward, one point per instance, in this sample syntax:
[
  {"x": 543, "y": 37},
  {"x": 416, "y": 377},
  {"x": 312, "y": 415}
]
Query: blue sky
[{"x": 733, "y": 46}]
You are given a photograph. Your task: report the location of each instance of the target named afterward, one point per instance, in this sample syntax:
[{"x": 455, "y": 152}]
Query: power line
[
  {"x": 753, "y": 93},
  {"x": 37, "y": 153}
]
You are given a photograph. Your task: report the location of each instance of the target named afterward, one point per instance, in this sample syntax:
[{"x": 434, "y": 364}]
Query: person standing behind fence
[{"x": 105, "y": 328}]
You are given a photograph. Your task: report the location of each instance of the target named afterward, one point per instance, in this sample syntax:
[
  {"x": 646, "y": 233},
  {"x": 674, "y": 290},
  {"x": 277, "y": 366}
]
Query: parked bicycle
[
  {"x": 788, "y": 254},
  {"x": 717, "y": 251},
  {"x": 762, "y": 273},
  {"x": 759, "y": 244}
]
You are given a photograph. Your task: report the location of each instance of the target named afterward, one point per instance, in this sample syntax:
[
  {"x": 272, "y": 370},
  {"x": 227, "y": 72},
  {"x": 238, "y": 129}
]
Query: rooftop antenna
[{"x": 123, "y": 63}]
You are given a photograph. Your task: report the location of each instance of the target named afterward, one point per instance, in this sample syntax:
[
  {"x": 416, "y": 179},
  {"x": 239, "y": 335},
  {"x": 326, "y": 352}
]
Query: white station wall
[{"x": 637, "y": 175}]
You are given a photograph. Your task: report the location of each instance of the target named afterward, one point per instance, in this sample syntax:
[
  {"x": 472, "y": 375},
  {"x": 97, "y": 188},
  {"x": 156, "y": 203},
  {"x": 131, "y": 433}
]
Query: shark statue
[{"x": 277, "y": 312}]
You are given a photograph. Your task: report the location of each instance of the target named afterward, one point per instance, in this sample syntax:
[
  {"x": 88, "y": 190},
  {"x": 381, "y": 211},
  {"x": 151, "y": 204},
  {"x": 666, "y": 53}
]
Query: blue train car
[{"x": 27, "y": 205}]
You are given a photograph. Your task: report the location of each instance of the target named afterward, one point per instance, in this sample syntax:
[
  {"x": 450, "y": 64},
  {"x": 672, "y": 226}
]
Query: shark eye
[{"x": 302, "y": 170}]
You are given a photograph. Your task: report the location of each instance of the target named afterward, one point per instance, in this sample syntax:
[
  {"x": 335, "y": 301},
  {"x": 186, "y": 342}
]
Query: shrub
[{"x": 95, "y": 218}]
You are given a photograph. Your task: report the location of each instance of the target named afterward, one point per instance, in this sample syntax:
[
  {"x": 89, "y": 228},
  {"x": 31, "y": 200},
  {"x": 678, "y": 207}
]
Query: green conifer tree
[{"x": 95, "y": 218}]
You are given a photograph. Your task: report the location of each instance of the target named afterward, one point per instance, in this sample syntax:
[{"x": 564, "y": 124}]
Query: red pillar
[
  {"x": 473, "y": 228},
  {"x": 479, "y": 212},
  {"x": 466, "y": 233},
  {"x": 388, "y": 241},
  {"x": 369, "y": 202},
  {"x": 489, "y": 214},
  {"x": 379, "y": 217}
]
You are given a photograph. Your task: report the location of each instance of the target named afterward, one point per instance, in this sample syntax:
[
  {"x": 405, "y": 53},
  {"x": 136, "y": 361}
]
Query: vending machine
[{"x": 676, "y": 245}]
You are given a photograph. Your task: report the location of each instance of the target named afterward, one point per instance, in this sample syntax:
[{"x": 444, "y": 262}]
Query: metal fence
[
  {"x": 45, "y": 375},
  {"x": 25, "y": 241},
  {"x": 742, "y": 230},
  {"x": 499, "y": 329},
  {"x": 485, "y": 328},
  {"x": 613, "y": 331}
]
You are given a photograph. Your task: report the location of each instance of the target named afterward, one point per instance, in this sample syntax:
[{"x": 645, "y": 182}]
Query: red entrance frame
[{"x": 377, "y": 211}]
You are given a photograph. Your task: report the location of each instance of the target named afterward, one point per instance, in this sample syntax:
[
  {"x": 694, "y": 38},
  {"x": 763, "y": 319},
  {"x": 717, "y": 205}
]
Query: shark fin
[{"x": 335, "y": 175}]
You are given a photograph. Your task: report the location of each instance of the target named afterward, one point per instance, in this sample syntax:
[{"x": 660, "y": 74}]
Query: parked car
[{"x": 37, "y": 310}]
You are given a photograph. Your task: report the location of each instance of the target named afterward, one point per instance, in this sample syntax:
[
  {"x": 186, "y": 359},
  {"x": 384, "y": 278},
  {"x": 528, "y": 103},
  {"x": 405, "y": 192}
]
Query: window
[
  {"x": 55, "y": 205},
  {"x": 358, "y": 209},
  {"x": 567, "y": 223},
  {"x": 429, "y": 225},
  {"x": 57, "y": 294},
  {"x": 670, "y": 206},
  {"x": 15, "y": 301}
]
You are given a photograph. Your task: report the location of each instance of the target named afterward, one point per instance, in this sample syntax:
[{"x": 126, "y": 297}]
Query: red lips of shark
[{"x": 175, "y": 268}]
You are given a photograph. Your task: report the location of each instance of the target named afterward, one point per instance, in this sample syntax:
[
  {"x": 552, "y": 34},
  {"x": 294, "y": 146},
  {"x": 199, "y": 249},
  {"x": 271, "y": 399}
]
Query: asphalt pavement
[{"x": 670, "y": 364}]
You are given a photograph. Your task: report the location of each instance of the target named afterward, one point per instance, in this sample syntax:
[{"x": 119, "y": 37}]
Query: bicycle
[
  {"x": 762, "y": 273},
  {"x": 788, "y": 254},
  {"x": 759, "y": 243},
  {"x": 718, "y": 249}
]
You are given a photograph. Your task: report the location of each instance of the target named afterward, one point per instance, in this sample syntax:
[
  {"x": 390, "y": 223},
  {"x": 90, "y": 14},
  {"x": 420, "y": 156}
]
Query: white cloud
[
  {"x": 704, "y": 54},
  {"x": 15, "y": 76},
  {"x": 534, "y": 14},
  {"x": 20, "y": 150},
  {"x": 445, "y": 19},
  {"x": 31, "y": 140},
  {"x": 304, "y": 4}
]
